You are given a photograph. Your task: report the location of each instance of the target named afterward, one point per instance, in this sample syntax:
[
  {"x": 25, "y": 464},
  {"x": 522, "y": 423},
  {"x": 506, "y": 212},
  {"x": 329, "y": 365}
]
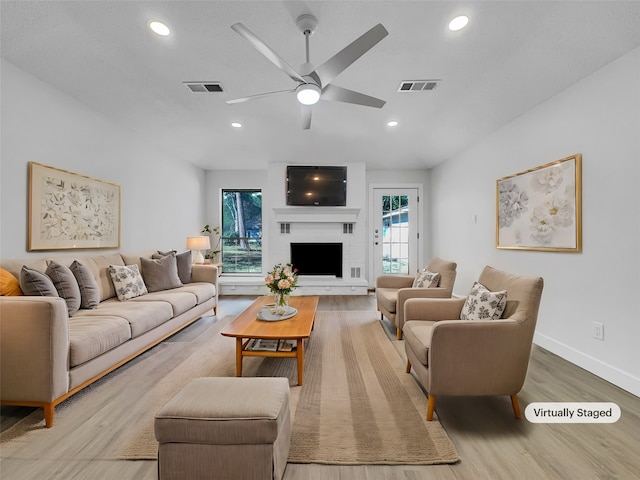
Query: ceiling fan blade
[
  {"x": 259, "y": 95},
  {"x": 306, "y": 116},
  {"x": 339, "y": 94},
  {"x": 349, "y": 54},
  {"x": 265, "y": 50}
]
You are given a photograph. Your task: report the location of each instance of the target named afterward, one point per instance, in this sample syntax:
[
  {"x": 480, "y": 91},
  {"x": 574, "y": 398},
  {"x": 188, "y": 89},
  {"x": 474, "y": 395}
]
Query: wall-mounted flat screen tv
[{"x": 317, "y": 185}]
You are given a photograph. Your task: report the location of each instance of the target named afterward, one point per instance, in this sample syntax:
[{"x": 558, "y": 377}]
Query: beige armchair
[
  {"x": 450, "y": 356},
  {"x": 393, "y": 290}
]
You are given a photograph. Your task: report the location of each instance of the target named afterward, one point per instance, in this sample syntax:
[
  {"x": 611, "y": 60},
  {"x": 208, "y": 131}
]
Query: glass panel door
[{"x": 395, "y": 231}]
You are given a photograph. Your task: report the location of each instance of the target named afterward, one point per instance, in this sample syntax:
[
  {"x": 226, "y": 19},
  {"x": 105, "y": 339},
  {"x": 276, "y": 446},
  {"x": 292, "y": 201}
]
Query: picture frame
[
  {"x": 541, "y": 208},
  {"x": 71, "y": 211}
]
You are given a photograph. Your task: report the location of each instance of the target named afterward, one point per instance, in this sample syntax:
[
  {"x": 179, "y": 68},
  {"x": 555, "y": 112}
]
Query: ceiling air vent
[
  {"x": 204, "y": 87},
  {"x": 417, "y": 85}
]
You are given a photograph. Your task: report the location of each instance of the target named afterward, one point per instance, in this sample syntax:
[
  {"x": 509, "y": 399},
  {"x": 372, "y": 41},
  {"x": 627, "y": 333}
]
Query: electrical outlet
[{"x": 598, "y": 331}]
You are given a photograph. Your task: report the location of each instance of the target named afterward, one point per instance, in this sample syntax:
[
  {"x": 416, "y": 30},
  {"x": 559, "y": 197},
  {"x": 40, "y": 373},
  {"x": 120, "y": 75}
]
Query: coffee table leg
[
  {"x": 238, "y": 357},
  {"x": 300, "y": 357}
]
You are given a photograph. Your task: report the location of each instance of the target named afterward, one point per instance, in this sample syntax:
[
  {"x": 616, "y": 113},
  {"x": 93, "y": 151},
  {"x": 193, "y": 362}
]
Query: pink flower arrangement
[{"x": 282, "y": 279}]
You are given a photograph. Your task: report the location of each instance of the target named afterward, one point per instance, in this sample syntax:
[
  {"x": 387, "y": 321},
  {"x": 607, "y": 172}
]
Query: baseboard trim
[{"x": 612, "y": 374}]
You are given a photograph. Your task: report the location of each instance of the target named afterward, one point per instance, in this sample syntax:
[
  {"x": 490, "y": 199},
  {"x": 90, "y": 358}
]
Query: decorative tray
[{"x": 266, "y": 315}]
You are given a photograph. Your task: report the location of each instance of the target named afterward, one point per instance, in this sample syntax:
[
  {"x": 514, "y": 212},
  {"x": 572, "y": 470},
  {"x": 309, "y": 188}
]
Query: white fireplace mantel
[{"x": 316, "y": 214}]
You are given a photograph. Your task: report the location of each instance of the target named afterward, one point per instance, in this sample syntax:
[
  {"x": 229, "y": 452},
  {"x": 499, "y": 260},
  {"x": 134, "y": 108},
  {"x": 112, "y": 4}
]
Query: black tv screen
[{"x": 317, "y": 185}]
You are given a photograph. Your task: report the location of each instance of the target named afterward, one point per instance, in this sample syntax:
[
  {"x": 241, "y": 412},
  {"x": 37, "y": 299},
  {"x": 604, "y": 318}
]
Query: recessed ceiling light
[
  {"x": 458, "y": 23},
  {"x": 236, "y": 124},
  {"x": 392, "y": 123},
  {"x": 159, "y": 28}
]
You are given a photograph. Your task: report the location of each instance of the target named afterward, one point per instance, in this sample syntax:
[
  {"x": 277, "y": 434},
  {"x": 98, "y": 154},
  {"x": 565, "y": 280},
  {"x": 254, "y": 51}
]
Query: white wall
[
  {"x": 162, "y": 199},
  {"x": 598, "y": 117}
]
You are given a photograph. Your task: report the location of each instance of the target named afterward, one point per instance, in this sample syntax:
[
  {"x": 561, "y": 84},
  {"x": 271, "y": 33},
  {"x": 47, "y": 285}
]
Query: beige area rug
[{"x": 357, "y": 406}]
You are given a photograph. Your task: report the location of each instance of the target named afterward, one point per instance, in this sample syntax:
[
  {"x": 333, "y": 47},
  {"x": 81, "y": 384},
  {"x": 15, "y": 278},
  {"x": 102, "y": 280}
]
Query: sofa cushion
[
  {"x": 141, "y": 316},
  {"x": 387, "y": 298},
  {"x": 127, "y": 281},
  {"x": 89, "y": 290},
  {"x": 184, "y": 261},
  {"x": 33, "y": 282},
  {"x": 180, "y": 301},
  {"x": 426, "y": 279},
  {"x": 160, "y": 273},
  {"x": 203, "y": 291},
  {"x": 481, "y": 304},
  {"x": 66, "y": 285},
  {"x": 99, "y": 266},
  {"x": 9, "y": 285},
  {"x": 90, "y": 337},
  {"x": 417, "y": 333}
]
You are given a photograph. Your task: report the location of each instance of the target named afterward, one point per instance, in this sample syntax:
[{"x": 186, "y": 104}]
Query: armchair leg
[
  {"x": 516, "y": 405},
  {"x": 399, "y": 333},
  {"x": 408, "y": 370},
  {"x": 431, "y": 405}
]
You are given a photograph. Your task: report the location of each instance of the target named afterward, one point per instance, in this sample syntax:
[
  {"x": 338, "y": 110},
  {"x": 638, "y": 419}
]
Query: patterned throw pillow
[
  {"x": 127, "y": 281},
  {"x": 481, "y": 304},
  {"x": 426, "y": 279},
  {"x": 66, "y": 285}
]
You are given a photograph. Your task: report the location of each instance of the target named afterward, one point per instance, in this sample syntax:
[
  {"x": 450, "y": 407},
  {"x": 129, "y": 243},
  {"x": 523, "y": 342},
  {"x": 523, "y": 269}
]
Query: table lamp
[{"x": 195, "y": 244}]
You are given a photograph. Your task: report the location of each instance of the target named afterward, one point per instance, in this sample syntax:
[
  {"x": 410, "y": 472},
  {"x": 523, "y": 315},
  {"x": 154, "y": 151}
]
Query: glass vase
[{"x": 281, "y": 301}]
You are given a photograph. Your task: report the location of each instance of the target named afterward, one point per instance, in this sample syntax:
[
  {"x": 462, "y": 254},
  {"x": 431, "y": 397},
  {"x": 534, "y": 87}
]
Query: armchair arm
[
  {"x": 34, "y": 348},
  {"x": 394, "y": 281},
  {"x": 405, "y": 294},
  {"x": 433, "y": 309},
  {"x": 477, "y": 358}
]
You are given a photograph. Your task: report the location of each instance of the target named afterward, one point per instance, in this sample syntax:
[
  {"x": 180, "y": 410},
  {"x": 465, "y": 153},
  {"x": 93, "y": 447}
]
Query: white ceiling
[{"x": 512, "y": 56}]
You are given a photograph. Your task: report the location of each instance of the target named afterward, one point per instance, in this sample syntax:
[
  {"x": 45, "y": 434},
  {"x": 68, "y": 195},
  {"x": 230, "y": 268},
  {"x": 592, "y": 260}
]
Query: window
[{"x": 242, "y": 231}]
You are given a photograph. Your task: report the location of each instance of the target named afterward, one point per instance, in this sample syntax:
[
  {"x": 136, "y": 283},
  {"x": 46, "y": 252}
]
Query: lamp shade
[{"x": 200, "y": 242}]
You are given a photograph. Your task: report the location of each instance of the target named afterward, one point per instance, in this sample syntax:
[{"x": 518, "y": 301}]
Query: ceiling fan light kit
[
  {"x": 315, "y": 84},
  {"x": 308, "y": 94}
]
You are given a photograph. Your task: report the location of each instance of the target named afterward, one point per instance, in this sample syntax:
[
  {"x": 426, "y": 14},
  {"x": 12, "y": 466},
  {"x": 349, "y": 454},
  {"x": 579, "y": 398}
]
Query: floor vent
[
  {"x": 204, "y": 87},
  {"x": 285, "y": 228},
  {"x": 417, "y": 85},
  {"x": 355, "y": 272}
]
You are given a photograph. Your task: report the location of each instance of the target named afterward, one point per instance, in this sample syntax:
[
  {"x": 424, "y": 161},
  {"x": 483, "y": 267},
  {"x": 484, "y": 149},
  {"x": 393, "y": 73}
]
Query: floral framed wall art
[
  {"x": 71, "y": 211},
  {"x": 541, "y": 208}
]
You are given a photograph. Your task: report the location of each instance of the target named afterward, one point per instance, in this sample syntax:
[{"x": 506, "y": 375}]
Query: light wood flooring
[{"x": 491, "y": 443}]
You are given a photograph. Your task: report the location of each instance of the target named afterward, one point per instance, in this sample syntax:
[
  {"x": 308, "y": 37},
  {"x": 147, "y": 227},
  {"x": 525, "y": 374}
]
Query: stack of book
[{"x": 267, "y": 345}]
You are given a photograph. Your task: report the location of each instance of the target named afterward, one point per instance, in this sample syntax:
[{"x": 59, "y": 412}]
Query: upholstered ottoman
[{"x": 226, "y": 428}]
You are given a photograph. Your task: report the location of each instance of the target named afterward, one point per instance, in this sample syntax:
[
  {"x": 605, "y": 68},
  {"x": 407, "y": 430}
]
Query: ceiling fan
[{"x": 315, "y": 84}]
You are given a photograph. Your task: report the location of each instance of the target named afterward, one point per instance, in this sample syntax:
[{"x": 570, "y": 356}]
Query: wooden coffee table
[{"x": 247, "y": 327}]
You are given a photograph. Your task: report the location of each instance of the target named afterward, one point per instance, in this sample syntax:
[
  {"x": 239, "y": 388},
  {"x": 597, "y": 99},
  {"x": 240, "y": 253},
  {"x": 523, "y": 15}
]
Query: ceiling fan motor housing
[{"x": 307, "y": 23}]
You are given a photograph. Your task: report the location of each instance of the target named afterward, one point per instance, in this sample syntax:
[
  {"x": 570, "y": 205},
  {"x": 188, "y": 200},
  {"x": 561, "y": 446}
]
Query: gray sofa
[{"x": 46, "y": 355}]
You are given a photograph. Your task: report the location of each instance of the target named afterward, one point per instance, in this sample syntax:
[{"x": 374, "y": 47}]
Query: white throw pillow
[
  {"x": 481, "y": 304},
  {"x": 127, "y": 281},
  {"x": 426, "y": 279}
]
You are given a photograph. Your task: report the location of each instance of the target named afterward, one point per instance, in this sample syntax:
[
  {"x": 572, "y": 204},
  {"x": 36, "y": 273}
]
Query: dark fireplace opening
[{"x": 317, "y": 258}]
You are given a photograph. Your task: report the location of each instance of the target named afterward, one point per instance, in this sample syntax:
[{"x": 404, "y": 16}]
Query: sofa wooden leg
[
  {"x": 431, "y": 405},
  {"x": 48, "y": 415},
  {"x": 408, "y": 370},
  {"x": 516, "y": 405},
  {"x": 399, "y": 333}
]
